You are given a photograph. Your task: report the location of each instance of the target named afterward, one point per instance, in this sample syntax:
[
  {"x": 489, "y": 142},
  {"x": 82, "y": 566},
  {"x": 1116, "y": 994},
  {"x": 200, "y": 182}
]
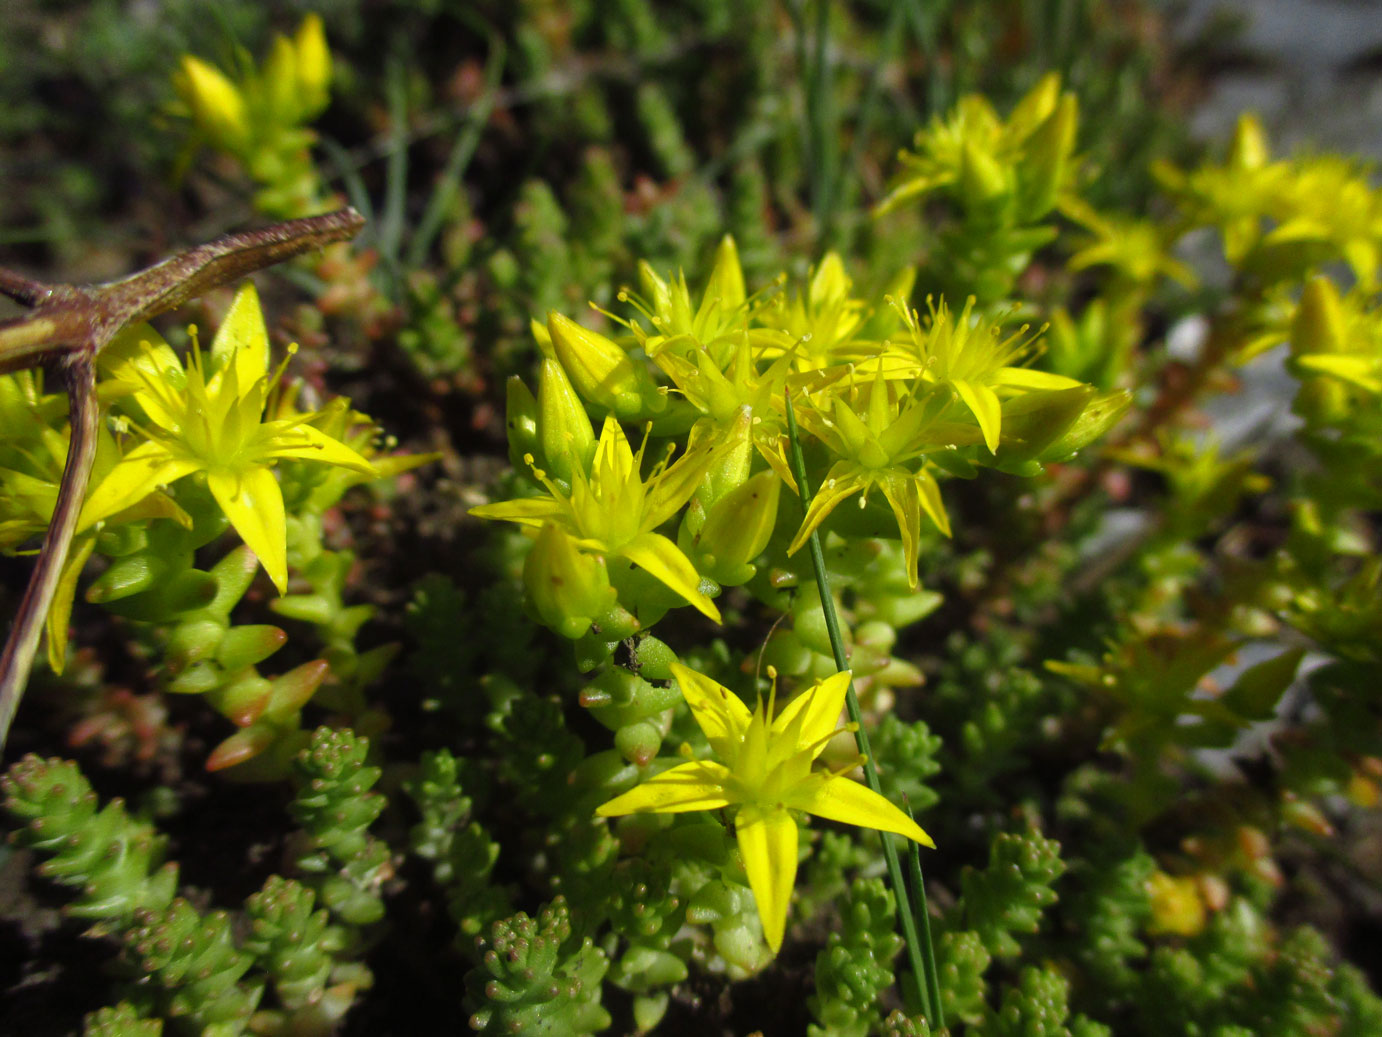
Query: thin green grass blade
[
  {"x": 933, "y": 979},
  {"x": 439, "y": 204},
  {"x": 917, "y": 954},
  {"x": 391, "y": 218},
  {"x": 348, "y": 170}
]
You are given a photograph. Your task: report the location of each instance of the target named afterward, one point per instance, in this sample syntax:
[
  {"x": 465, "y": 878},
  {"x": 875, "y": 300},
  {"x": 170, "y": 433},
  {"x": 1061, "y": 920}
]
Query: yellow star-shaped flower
[
  {"x": 765, "y": 770},
  {"x": 195, "y": 423},
  {"x": 971, "y": 357},
  {"x": 885, "y": 447},
  {"x": 612, "y": 510}
]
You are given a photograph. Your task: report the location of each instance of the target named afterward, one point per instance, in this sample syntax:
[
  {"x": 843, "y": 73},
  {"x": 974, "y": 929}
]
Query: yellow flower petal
[
  {"x": 720, "y": 713},
  {"x": 60, "y": 611},
  {"x": 139, "y": 473},
  {"x": 613, "y": 455},
  {"x": 904, "y": 496},
  {"x": 983, "y": 404},
  {"x": 675, "y": 486},
  {"x": 697, "y": 785},
  {"x": 725, "y": 291},
  {"x": 1361, "y": 371},
  {"x": 253, "y": 502},
  {"x": 526, "y": 511},
  {"x": 768, "y": 842},
  {"x": 837, "y": 798},
  {"x": 139, "y": 348},
  {"x": 930, "y": 493},
  {"x": 242, "y": 339},
  {"x": 817, "y": 710},
  {"x": 306, "y": 443},
  {"x": 664, "y": 561},
  {"x": 843, "y": 480},
  {"x": 1027, "y": 378}
]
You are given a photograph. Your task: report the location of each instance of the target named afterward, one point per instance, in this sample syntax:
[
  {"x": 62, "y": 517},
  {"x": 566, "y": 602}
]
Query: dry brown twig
[{"x": 66, "y": 329}]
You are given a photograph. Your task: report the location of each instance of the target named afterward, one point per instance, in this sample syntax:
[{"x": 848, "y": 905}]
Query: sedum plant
[
  {"x": 840, "y": 460},
  {"x": 192, "y": 449}
]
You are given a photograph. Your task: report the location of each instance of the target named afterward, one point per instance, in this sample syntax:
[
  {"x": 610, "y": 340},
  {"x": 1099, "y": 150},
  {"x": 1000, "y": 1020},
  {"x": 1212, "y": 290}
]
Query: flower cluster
[
  {"x": 894, "y": 399},
  {"x": 1279, "y": 218},
  {"x": 1017, "y": 166},
  {"x": 260, "y": 115}
]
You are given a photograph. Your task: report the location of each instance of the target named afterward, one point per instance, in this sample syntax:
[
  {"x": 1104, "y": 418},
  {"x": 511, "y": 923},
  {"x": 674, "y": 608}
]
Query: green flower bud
[
  {"x": 280, "y": 82},
  {"x": 1036, "y": 105},
  {"x": 601, "y": 371},
  {"x": 313, "y": 66},
  {"x": 520, "y": 419},
  {"x": 216, "y": 104},
  {"x": 1249, "y": 148},
  {"x": 738, "y": 527},
  {"x": 1033, "y": 422},
  {"x": 984, "y": 183},
  {"x": 1318, "y": 326},
  {"x": 1099, "y": 415},
  {"x": 563, "y": 425},
  {"x": 731, "y": 468},
  {"x": 1046, "y": 165},
  {"x": 567, "y": 587}
]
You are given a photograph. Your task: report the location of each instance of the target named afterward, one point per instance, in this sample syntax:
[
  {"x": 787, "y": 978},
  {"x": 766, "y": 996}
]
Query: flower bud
[
  {"x": 567, "y": 587},
  {"x": 520, "y": 421},
  {"x": 602, "y": 372},
  {"x": 313, "y": 67},
  {"x": 1046, "y": 162},
  {"x": 734, "y": 454},
  {"x": 983, "y": 181},
  {"x": 1318, "y": 326},
  {"x": 1176, "y": 905},
  {"x": 1037, "y": 104},
  {"x": 725, "y": 289},
  {"x": 738, "y": 527},
  {"x": 1099, "y": 415},
  {"x": 216, "y": 104},
  {"x": 1034, "y": 422},
  {"x": 279, "y": 81},
  {"x": 1249, "y": 148},
  {"x": 562, "y": 424}
]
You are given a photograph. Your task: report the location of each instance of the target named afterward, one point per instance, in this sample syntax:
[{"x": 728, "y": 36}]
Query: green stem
[
  {"x": 933, "y": 979},
  {"x": 918, "y": 955}
]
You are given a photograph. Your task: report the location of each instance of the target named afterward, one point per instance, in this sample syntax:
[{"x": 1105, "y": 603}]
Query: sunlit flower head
[
  {"x": 971, "y": 356},
  {"x": 212, "y": 423},
  {"x": 881, "y": 435},
  {"x": 613, "y": 510},
  {"x": 765, "y": 770},
  {"x": 677, "y": 325}
]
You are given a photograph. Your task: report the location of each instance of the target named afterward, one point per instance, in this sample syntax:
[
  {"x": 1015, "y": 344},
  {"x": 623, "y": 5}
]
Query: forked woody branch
[{"x": 66, "y": 329}]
